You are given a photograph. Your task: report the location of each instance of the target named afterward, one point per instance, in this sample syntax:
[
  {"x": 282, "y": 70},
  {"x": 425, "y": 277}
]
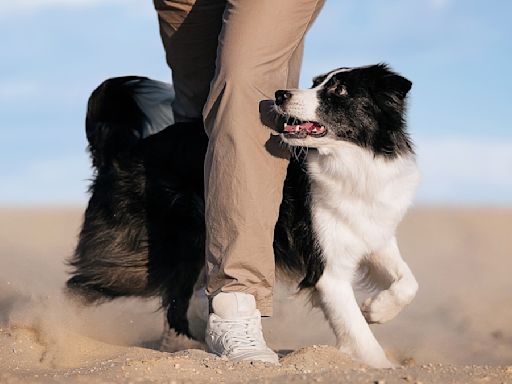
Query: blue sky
[{"x": 457, "y": 53}]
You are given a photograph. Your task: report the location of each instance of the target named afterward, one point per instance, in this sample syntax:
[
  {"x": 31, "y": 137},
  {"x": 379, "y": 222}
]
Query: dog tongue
[
  {"x": 311, "y": 128},
  {"x": 308, "y": 126}
]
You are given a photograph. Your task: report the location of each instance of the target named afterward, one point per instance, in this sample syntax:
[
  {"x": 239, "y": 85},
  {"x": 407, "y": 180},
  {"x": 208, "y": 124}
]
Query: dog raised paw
[{"x": 387, "y": 304}]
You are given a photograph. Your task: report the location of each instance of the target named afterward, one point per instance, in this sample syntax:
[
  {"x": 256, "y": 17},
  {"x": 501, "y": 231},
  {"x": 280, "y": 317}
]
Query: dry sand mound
[
  {"x": 101, "y": 363},
  {"x": 461, "y": 316}
]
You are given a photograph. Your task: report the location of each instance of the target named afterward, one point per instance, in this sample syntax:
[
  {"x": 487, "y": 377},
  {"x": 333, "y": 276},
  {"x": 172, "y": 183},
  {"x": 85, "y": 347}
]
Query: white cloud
[{"x": 465, "y": 171}]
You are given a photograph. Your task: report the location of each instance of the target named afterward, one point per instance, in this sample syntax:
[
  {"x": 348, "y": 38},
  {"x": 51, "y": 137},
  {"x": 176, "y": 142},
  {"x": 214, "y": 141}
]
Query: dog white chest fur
[{"x": 358, "y": 200}]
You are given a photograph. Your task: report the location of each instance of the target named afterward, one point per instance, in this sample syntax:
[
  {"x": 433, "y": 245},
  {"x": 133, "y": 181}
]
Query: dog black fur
[{"x": 143, "y": 232}]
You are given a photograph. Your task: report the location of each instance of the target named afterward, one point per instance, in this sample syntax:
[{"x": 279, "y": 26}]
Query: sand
[{"x": 458, "y": 329}]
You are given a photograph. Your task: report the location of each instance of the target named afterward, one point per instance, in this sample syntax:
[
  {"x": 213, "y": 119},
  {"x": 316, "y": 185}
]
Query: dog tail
[
  {"x": 111, "y": 257},
  {"x": 123, "y": 110}
]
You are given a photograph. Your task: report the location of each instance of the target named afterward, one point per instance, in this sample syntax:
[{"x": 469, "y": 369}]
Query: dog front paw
[
  {"x": 379, "y": 309},
  {"x": 388, "y": 303},
  {"x": 373, "y": 357}
]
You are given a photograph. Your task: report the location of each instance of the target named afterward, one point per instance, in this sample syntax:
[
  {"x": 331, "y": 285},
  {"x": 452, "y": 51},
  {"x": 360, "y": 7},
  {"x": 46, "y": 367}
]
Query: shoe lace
[{"x": 242, "y": 334}]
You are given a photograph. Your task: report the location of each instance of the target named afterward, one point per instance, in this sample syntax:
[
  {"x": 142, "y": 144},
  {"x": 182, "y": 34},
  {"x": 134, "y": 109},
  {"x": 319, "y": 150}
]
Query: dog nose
[{"x": 282, "y": 96}]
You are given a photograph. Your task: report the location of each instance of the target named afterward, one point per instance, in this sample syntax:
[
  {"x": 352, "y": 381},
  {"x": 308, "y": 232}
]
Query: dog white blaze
[{"x": 331, "y": 74}]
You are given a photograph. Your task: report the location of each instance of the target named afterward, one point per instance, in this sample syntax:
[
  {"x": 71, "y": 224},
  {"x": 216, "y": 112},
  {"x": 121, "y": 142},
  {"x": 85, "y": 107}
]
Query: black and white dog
[{"x": 143, "y": 231}]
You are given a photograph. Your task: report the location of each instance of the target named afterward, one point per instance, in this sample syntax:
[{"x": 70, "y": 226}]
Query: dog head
[{"x": 363, "y": 105}]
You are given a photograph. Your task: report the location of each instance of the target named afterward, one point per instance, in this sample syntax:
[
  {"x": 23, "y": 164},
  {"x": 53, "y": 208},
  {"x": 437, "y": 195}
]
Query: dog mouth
[{"x": 298, "y": 129}]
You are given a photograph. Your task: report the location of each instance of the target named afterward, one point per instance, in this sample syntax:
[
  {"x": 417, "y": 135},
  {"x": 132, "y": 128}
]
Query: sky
[{"x": 457, "y": 53}]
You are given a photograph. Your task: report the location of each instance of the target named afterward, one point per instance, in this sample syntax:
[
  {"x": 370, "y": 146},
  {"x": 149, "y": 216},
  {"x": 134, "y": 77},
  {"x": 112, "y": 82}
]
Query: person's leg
[
  {"x": 259, "y": 51},
  {"x": 189, "y": 30}
]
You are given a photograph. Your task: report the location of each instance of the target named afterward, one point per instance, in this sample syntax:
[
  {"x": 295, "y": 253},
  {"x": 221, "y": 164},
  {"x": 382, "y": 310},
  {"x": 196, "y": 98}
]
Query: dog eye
[
  {"x": 338, "y": 90},
  {"x": 341, "y": 90}
]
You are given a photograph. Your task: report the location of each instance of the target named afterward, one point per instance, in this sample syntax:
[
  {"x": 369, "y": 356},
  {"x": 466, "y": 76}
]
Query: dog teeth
[{"x": 297, "y": 128}]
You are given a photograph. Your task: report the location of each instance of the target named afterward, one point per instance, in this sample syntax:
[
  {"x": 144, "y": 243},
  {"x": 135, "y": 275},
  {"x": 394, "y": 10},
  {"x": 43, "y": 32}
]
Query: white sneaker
[{"x": 234, "y": 329}]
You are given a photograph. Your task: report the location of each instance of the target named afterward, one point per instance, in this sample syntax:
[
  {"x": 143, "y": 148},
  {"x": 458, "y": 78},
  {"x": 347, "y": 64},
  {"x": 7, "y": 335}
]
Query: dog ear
[
  {"x": 395, "y": 84},
  {"x": 398, "y": 84},
  {"x": 389, "y": 82}
]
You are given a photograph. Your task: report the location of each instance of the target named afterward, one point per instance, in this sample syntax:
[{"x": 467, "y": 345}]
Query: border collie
[{"x": 143, "y": 231}]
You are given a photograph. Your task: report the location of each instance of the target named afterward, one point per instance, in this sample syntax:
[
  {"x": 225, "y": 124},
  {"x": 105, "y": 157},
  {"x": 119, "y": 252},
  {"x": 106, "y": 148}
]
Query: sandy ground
[{"x": 458, "y": 329}]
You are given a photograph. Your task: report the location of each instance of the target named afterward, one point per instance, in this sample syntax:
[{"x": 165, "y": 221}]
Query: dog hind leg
[{"x": 196, "y": 316}]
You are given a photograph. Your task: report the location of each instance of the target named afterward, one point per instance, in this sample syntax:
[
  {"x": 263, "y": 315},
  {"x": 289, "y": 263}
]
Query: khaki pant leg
[
  {"x": 259, "y": 51},
  {"x": 190, "y": 31}
]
